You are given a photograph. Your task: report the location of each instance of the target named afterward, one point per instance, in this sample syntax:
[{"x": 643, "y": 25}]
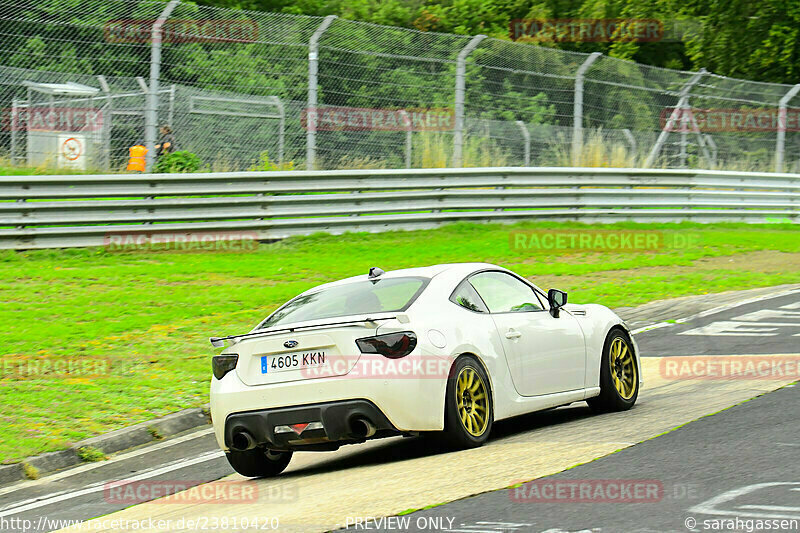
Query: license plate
[{"x": 291, "y": 361}]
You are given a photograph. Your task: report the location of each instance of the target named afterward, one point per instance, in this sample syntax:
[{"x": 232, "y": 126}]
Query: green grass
[
  {"x": 9, "y": 170},
  {"x": 151, "y": 313}
]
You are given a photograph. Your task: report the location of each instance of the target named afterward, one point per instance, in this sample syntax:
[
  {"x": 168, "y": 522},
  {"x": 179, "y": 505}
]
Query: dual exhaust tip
[{"x": 360, "y": 428}]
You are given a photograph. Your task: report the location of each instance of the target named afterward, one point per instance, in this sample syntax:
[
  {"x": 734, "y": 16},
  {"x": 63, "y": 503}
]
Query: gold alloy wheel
[
  {"x": 473, "y": 401},
  {"x": 623, "y": 368}
]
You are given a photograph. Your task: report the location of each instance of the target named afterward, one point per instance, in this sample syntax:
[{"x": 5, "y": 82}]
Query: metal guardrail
[{"x": 75, "y": 210}]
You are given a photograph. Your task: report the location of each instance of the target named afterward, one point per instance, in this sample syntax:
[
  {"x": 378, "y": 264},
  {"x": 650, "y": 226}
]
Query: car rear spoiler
[{"x": 219, "y": 342}]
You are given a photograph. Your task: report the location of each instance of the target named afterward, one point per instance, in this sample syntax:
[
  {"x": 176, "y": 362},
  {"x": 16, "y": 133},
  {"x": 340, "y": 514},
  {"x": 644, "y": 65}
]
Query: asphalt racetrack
[{"x": 740, "y": 463}]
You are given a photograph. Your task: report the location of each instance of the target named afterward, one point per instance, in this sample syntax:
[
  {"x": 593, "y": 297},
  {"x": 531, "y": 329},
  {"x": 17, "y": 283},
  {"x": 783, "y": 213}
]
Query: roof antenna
[{"x": 374, "y": 272}]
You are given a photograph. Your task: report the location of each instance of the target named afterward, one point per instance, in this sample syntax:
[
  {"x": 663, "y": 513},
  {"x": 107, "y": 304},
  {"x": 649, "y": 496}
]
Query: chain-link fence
[{"x": 81, "y": 82}]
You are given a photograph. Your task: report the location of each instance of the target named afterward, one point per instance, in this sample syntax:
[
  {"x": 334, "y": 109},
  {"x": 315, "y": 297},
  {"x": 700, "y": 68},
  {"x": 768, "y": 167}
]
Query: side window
[
  {"x": 465, "y": 296},
  {"x": 503, "y": 293}
]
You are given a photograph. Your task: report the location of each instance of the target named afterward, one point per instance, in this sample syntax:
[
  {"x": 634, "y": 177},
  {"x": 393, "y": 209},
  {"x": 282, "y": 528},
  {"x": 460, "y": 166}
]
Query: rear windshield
[{"x": 357, "y": 298}]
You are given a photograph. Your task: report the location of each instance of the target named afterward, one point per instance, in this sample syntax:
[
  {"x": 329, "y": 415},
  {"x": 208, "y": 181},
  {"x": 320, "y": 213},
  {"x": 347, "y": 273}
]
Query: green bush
[
  {"x": 265, "y": 163},
  {"x": 182, "y": 161},
  {"x": 89, "y": 454},
  {"x": 30, "y": 471}
]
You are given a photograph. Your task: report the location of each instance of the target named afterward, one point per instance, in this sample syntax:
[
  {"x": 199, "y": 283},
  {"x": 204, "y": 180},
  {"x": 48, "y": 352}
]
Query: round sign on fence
[{"x": 71, "y": 149}]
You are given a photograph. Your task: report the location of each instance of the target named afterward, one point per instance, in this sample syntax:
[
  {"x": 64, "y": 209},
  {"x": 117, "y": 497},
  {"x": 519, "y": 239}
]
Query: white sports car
[{"x": 446, "y": 348}]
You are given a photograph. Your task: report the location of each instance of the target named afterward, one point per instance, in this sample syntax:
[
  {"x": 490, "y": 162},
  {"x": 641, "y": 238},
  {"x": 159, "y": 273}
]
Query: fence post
[
  {"x": 781, "y": 141},
  {"x": 700, "y": 140},
  {"x": 526, "y": 136},
  {"x": 682, "y": 102},
  {"x": 171, "y": 116},
  {"x": 107, "y": 113},
  {"x": 577, "y": 108},
  {"x": 631, "y": 140},
  {"x": 714, "y": 151},
  {"x": 409, "y": 129},
  {"x": 14, "y": 126},
  {"x": 461, "y": 72},
  {"x": 311, "y": 111},
  {"x": 151, "y": 109},
  {"x": 281, "y": 130}
]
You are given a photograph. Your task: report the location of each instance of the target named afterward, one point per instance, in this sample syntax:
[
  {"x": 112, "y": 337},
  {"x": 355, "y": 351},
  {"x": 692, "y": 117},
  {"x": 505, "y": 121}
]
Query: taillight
[
  {"x": 222, "y": 364},
  {"x": 391, "y": 345}
]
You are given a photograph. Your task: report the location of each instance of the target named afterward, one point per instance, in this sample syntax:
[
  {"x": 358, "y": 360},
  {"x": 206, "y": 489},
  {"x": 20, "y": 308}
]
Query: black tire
[
  {"x": 259, "y": 462},
  {"x": 610, "y": 399},
  {"x": 456, "y": 434}
]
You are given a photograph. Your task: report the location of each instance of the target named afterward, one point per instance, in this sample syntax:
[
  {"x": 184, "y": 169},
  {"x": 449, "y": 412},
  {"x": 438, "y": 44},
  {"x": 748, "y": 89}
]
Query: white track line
[
  {"x": 122, "y": 457},
  {"x": 716, "y": 310},
  {"x": 60, "y": 497},
  {"x": 712, "y": 506}
]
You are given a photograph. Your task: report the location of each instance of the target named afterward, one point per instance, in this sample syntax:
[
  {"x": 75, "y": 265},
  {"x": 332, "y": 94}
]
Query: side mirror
[{"x": 557, "y": 299}]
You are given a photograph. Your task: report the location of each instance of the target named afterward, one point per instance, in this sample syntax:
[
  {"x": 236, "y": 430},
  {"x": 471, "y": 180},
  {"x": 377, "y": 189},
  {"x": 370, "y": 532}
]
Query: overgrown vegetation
[
  {"x": 178, "y": 162},
  {"x": 30, "y": 471},
  {"x": 7, "y": 169},
  {"x": 155, "y": 433},
  {"x": 89, "y": 454},
  {"x": 751, "y": 40},
  {"x": 265, "y": 163}
]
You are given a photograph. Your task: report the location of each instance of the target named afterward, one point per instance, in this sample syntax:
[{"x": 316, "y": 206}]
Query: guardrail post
[
  {"x": 311, "y": 111},
  {"x": 683, "y": 98},
  {"x": 780, "y": 143},
  {"x": 461, "y": 74},
  {"x": 151, "y": 108},
  {"x": 526, "y": 135},
  {"x": 577, "y": 108}
]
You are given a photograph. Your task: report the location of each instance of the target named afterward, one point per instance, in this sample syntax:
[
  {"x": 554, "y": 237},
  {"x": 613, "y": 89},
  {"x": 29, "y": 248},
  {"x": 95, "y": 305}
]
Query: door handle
[{"x": 512, "y": 334}]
